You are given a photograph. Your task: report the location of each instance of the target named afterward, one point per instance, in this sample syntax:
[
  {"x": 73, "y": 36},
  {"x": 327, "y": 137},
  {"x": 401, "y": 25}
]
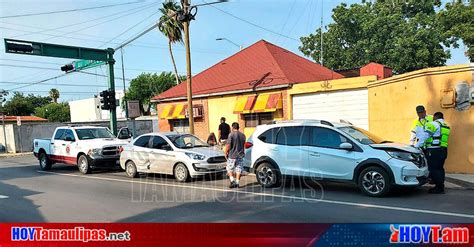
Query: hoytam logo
[
  {"x": 435, "y": 234},
  {"x": 76, "y": 234}
]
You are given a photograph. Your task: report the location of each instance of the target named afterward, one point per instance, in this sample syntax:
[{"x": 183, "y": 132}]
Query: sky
[{"x": 244, "y": 22}]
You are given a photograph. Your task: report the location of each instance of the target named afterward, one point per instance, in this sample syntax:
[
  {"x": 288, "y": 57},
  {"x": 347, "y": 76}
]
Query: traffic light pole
[
  {"x": 26, "y": 47},
  {"x": 113, "y": 109}
]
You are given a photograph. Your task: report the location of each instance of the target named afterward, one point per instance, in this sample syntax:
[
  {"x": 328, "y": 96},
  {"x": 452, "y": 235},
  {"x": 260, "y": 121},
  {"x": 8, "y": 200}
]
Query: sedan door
[
  {"x": 140, "y": 153},
  {"x": 290, "y": 150},
  {"x": 162, "y": 157},
  {"x": 327, "y": 159}
]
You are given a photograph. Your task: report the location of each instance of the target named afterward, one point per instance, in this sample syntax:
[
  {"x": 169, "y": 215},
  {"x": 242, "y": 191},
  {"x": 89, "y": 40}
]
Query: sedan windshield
[
  {"x": 187, "y": 141},
  {"x": 362, "y": 136},
  {"x": 93, "y": 133}
]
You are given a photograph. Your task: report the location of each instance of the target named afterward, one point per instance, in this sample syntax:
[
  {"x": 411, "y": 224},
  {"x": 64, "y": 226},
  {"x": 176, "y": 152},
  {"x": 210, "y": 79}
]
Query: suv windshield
[
  {"x": 362, "y": 136},
  {"x": 93, "y": 133},
  {"x": 187, "y": 141}
]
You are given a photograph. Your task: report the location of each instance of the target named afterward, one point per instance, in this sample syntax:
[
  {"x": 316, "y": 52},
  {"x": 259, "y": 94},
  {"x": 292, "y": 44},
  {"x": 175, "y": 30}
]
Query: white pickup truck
[{"x": 88, "y": 147}]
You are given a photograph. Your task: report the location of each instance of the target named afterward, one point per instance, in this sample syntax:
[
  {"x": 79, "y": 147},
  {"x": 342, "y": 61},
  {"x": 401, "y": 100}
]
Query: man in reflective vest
[
  {"x": 437, "y": 150},
  {"x": 418, "y": 133}
]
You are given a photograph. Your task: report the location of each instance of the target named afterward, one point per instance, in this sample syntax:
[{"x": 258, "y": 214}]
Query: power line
[
  {"x": 253, "y": 24},
  {"x": 82, "y": 22},
  {"x": 130, "y": 28},
  {"x": 60, "y": 64},
  {"x": 52, "y": 84},
  {"x": 144, "y": 44},
  {"x": 100, "y": 23},
  {"x": 66, "y": 11}
]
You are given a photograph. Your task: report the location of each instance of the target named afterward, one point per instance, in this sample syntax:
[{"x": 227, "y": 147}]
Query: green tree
[
  {"x": 54, "y": 112},
  {"x": 54, "y": 94},
  {"x": 170, "y": 27},
  {"x": 3, "y": 96},
  {"x": 147, "y": 85},
  {"x": 457, "y": 23},
  {"x": 402, "y": 35},
  {"x": 21, "y": 105}
]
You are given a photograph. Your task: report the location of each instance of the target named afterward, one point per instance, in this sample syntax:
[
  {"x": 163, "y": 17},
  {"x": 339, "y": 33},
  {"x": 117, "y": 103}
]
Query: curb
[
  {"x": 11, "y": 155},
  {"x": 462, "y": 183}
]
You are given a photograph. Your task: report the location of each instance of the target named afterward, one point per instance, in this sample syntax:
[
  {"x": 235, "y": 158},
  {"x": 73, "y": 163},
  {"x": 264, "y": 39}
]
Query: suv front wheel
[
  {"x": 374, "y": 181},
  {"x": 267, "y": 175}
]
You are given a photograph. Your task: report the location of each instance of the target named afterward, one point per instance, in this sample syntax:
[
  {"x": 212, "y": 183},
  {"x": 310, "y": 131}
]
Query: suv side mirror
[
  {"x": 124, "y": 133},
  {"x": 346, "y": 146}
]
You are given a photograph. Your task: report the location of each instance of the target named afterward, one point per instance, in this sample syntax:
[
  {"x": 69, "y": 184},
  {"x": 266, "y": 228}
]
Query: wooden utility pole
[{"x": 186, "y": 5}]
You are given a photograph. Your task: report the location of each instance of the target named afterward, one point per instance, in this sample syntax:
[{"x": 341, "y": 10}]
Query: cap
[{"x": 420, "y": 108}]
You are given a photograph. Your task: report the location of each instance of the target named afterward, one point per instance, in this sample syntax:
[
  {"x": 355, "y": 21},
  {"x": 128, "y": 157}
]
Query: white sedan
[{"x": 183, "y": 155}]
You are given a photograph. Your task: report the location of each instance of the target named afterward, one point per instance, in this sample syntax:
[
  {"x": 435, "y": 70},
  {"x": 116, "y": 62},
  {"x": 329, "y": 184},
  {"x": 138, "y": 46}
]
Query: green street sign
[{"x": 86, "y": 64}]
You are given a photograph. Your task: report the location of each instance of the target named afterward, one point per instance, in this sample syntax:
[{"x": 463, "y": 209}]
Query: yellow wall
[
  {"x": 222, "y": 106},
  {"x": 392, "y": 105},
  {"x": 326, "y": 86}
]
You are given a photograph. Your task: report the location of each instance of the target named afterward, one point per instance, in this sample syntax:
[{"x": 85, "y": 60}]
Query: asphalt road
[{"x": 64, "y": 195}]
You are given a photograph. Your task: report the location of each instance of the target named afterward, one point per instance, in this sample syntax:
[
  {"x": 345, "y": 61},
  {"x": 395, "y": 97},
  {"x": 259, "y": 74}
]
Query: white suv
[{"x": 332, "y": 151}]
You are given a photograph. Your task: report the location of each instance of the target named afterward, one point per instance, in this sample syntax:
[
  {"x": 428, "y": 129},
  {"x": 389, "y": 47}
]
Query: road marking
[
  {"x": 3, "y": 197},
  {"x": 366, "y": 205}
]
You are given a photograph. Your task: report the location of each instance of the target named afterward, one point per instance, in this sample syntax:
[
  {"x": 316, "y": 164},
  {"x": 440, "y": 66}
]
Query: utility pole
[
  {"x": 113, "y": 108},
  {"x": 186, "y": 5}
]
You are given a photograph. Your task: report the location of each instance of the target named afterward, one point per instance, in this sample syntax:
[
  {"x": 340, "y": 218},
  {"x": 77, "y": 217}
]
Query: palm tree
[
  {"x": 54, "y": 95},
  {"x": 171, "y": 28}
]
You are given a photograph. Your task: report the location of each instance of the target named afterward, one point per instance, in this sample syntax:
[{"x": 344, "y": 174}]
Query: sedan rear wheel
[{"x": 131, "y": 169}]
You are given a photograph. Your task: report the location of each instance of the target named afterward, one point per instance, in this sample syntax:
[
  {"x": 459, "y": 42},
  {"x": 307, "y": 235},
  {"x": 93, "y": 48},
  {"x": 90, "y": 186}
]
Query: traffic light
[
  {"x": 67, "y": 67},
  {"x": 104, "y": 100},
  {"x": 107, "y": 100}
]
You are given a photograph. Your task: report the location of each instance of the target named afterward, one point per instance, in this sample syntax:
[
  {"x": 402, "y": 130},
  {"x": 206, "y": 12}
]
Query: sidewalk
[
  {"x": 9, "y": 155},
  {"x": 461, "y": 180}
]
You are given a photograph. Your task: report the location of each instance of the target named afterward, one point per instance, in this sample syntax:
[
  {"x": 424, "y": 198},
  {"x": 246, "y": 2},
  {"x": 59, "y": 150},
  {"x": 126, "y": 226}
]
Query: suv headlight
[
  {"x": 195, "y": 156},
  {"x": 402, "y": 155},
  {"x": 95, "y": 152}
]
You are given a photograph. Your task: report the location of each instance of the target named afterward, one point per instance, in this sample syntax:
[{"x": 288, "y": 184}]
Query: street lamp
[
  {"x": 230, "y": 41},
  {"x": 185, "y": 16}
]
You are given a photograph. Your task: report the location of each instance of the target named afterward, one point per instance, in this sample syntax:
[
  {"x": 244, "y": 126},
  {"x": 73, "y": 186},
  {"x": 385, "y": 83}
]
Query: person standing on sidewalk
[
  {"x": 418, "y": 133},
  {"x": 234, "y": 154},
  {"x": 223, "y": 133},
  {"x": 437, "y": 150}
]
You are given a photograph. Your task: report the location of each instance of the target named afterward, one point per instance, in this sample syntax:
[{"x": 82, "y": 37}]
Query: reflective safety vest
[{"x": 438, "y": 137}]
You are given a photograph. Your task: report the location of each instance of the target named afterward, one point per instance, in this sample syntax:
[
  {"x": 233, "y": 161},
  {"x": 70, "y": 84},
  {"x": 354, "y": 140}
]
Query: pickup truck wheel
[
  {"x": 131, "y": 169},
  {"x": 83, "y": 164},
  {"x": 44, "y": 162},
  {"x": 181, "y": 173}
]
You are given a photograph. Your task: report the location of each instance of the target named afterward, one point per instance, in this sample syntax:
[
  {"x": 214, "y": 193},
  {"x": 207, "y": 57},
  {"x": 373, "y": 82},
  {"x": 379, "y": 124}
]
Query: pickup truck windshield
[{"x": 93, "y": 133}]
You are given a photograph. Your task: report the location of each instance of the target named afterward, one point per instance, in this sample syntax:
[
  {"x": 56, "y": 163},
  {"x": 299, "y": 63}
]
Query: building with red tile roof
[{"x": 261, "y": 65}]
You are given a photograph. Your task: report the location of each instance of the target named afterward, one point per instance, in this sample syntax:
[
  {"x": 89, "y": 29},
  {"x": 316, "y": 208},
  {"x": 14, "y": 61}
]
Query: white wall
[{"x": 86, "y": 110}]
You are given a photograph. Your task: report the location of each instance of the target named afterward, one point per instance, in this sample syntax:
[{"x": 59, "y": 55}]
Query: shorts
[{"x": 235, "y": 165}]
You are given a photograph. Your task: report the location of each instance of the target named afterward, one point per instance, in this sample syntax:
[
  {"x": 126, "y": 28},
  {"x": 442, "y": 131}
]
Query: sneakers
[{"x": 233, "y": 185}]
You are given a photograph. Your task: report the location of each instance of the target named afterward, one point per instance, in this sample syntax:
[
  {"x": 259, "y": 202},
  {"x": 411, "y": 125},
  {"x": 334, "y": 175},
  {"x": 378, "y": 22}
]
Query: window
[
  {"x": 59, "y": 134},
  {"x": 326, "y": 138},
  {"x": 142, "y": 141},
  {"x": 269, "y": 136},
  {"x": 93, "y": 133},
  {"x": 293, "y": 136},
  {"x": 254, "y": 119},
  {"x": 158, "y": 142},
  {"x": 68, "y": 134},
  {"x": 187, "y": 141}
]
